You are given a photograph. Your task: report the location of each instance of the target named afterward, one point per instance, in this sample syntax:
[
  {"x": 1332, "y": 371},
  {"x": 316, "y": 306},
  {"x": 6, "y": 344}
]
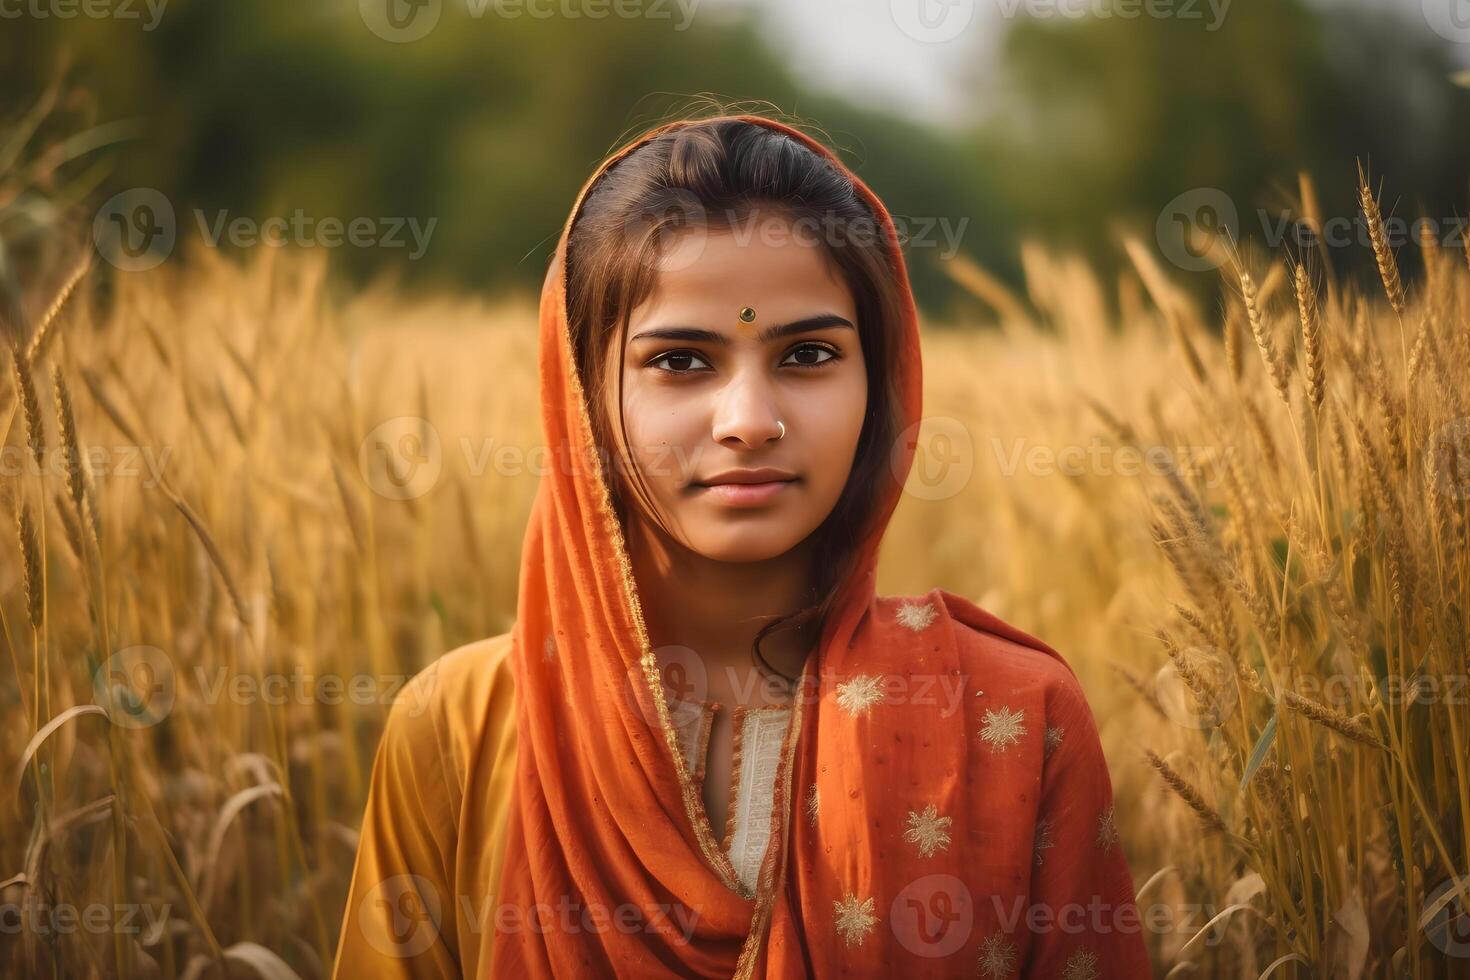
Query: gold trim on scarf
[
  {"x": 692, "y": 797},
  {"x": 774, "y": 865}
]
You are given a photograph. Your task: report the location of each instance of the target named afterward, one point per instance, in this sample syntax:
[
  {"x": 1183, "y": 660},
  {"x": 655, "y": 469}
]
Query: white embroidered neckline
[{"x": 757, "y": 744}]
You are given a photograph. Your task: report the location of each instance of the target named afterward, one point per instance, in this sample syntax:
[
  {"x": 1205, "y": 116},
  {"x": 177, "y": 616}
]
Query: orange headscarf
[{"x": 907, "y": 838}]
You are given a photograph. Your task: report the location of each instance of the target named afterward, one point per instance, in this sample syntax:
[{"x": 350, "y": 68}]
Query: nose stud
[{"x": 783, "y": 430}]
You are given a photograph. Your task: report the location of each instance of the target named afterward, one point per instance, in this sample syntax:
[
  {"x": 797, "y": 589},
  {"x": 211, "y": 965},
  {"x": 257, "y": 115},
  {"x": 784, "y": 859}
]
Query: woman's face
[{"x": 703, "y": 390}]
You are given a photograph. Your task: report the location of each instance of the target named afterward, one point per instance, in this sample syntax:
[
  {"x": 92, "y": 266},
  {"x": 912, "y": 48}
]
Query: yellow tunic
[
  {"x": 428, "y": 860},
  {"x": 433, "y": 835}
]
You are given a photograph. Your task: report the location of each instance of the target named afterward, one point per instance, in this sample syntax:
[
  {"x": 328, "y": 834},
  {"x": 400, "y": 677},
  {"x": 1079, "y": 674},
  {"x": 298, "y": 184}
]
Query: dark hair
[{"x": 711, "y": 173}]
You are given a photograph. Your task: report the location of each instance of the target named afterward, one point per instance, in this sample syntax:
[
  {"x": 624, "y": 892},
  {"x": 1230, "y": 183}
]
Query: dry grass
[
  {"x": 1258, "y": 569},
  {"x": 220, "y": 526}
]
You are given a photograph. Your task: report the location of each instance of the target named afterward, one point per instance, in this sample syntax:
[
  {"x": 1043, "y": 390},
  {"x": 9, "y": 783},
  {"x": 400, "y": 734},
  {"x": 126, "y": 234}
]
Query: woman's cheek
[
  {"x": 668, "y": 455},
  {"x": 840, "y": 424}
]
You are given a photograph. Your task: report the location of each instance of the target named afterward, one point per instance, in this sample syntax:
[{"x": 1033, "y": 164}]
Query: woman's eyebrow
[{"x": 700, "y": 334}]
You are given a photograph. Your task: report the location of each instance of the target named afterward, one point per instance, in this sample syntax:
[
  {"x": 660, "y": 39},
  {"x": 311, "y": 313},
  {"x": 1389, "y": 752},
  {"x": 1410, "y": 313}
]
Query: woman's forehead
[{"x": 708, "y": 274}]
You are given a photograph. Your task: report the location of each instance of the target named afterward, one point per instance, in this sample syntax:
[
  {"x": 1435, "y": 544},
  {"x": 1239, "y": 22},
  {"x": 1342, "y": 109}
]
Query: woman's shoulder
[
  {"x": 978, "y": 633},
  {"x": 478, "y": 663},
  {"x": 463, "y": 702},
  {"x": 1014, "y": 682},
  {"x": 1005, "y": 656}
]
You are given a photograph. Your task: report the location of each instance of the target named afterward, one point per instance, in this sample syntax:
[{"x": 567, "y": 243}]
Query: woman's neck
[{"x": 716, "y": 608}]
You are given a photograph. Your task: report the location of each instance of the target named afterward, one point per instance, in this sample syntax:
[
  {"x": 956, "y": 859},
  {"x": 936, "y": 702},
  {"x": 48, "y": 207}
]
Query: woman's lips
[{"x": 744, "y": 494}]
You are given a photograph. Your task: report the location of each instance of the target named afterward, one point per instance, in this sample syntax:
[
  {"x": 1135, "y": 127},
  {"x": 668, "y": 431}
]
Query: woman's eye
[
  {"x": 806, "y": 355},
  {"x": 678, "y": 361},
  {"x": 688, "y": 362}
]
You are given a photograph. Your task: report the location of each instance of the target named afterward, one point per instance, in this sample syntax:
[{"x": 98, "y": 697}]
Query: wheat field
[{"x": 1248, "y": 532}]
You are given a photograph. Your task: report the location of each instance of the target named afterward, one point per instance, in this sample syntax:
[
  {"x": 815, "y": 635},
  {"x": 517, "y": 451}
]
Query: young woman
[{"x": 708, "y": 748}]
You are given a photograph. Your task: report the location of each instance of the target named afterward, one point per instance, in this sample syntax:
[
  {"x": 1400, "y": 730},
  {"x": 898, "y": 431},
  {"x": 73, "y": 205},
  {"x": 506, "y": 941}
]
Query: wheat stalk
[
  {"x": 1275, "y": 365},
  {"x": 1186, "y": 792},
  {"x": 1306, "y": 304},
  {"x": 46, "y": 327},
  {"x": 1388, "y": 267},
  {"x": 1354, "y": 728},
  {"x": 30, "y": 551},
  {"x": 25, "y": 385},
  {"x": 70, "y": 447},
  {"x": 1203, "y": 691}
]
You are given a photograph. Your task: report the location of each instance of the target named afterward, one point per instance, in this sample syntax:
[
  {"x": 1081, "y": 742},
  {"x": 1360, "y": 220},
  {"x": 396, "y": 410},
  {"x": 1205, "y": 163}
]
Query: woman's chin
[{"x": 749, "y": 540}]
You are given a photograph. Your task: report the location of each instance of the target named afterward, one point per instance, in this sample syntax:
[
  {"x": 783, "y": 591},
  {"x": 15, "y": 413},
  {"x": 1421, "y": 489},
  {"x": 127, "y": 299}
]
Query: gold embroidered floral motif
[
  {"x": 1043, "y": 837},
  {"x": 1002, "y": 728},
  {"x": 997, "y": 957},
  {"x": 859, "y": 694},
  {"x": 854, "y": 920},
  {"x": 927, "y": 829},
  {"x": 1107, "y": 830},
  {"x": 916, "y": 615},
  {"x": 813, "y": 802},
  {"x": 1053, "y": 739},
  {"x": 1081, "y": 965}
]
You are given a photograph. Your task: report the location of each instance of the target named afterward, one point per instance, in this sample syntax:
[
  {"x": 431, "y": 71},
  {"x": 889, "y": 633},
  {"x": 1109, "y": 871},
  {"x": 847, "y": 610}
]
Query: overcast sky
[
  {"x": 856, "y": 47},
  {"x": 920, "y": 56}
]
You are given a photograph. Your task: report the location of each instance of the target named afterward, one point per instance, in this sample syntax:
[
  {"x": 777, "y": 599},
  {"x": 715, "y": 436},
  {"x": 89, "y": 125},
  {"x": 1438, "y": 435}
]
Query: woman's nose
[{"x": 747, "y": 413}]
